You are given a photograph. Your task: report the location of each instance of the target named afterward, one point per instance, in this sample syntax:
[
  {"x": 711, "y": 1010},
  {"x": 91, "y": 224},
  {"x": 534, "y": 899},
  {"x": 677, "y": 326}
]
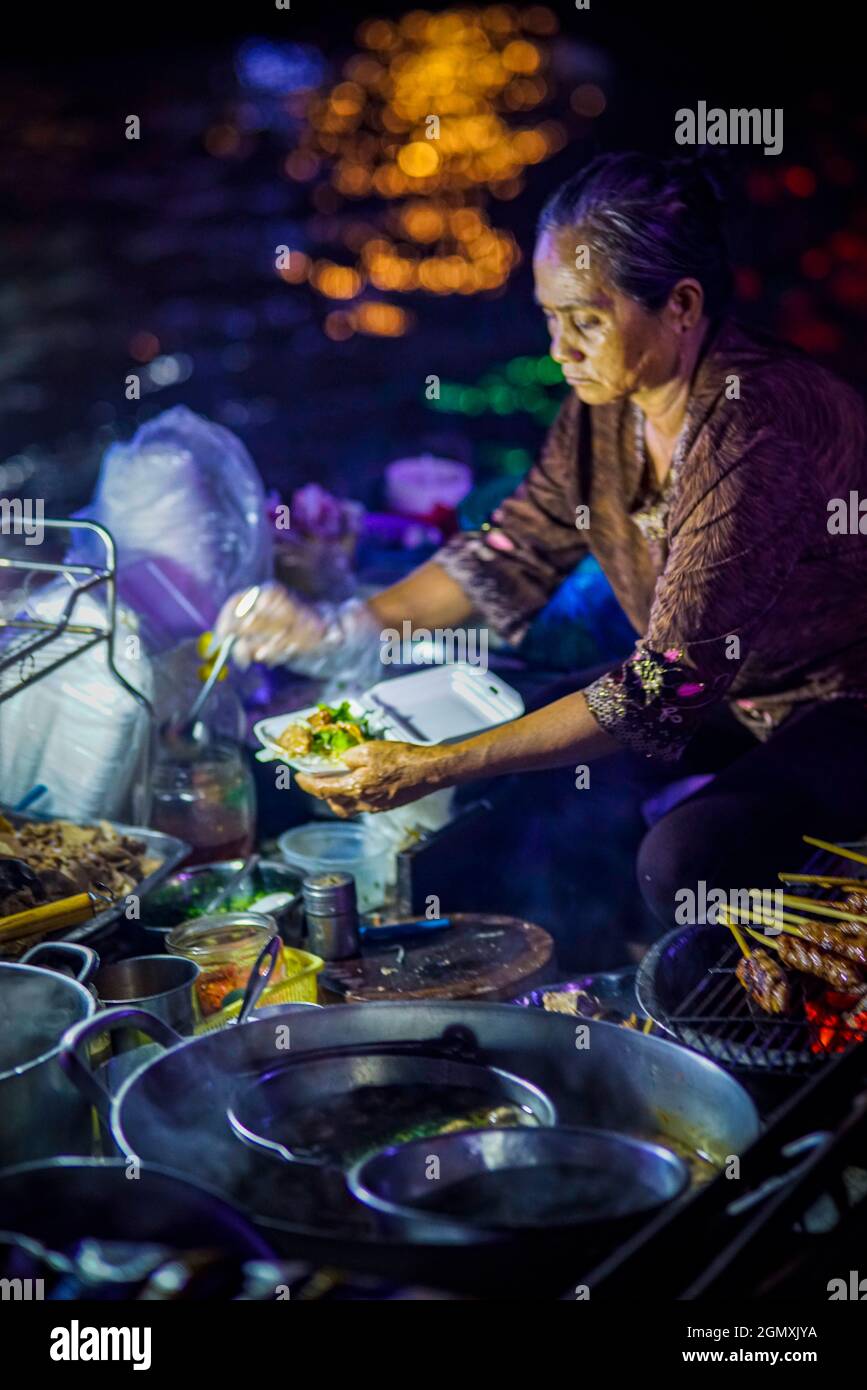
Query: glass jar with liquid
[{"x": 208, "y": 798}]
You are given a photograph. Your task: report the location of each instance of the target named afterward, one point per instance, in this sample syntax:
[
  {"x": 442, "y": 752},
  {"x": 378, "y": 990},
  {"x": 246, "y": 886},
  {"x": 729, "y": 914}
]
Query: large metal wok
[{"x": 174, "y": 1112}]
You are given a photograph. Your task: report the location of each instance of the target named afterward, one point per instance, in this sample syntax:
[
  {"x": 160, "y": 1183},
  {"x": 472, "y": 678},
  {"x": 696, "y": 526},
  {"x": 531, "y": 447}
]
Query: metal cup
[{"x": 163, "y": 985}]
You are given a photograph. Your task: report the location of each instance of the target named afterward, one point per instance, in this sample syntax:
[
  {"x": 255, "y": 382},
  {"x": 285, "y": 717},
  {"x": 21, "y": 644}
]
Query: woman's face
[{"x": 607, "y": 344}]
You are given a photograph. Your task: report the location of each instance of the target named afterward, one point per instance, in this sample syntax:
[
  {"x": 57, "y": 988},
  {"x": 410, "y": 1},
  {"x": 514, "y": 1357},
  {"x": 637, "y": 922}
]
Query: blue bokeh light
[{"x": 279, "y": 68}]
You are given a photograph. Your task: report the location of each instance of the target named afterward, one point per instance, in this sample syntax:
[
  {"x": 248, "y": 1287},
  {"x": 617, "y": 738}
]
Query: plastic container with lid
[
  {"x": 225, "y": 946},
  {"x": 322, "y": 847}
]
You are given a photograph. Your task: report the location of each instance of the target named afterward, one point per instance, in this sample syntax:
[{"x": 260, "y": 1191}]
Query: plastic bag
[{"x": 186, "y": 507}]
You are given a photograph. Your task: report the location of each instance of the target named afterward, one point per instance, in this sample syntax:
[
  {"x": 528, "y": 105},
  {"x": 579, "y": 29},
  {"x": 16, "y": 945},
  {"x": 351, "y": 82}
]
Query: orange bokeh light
[
  {"x": 419, "y": 159},
  {"x": 336, "y": 281}
]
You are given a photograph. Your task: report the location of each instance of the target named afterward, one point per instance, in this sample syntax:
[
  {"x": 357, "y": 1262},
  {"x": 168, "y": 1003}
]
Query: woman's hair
[{"x": 653, "y": 221}]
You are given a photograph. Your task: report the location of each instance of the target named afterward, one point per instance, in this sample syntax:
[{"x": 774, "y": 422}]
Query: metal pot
[{"x": 43, "y": 1114}]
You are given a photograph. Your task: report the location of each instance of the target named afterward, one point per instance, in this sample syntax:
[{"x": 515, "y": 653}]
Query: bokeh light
[{"x": 427, "y": 120}]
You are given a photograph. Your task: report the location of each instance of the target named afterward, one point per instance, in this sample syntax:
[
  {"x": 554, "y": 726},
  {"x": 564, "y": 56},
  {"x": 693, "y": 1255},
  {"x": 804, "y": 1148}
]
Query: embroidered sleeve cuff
[{"x": 652, "y": 704}]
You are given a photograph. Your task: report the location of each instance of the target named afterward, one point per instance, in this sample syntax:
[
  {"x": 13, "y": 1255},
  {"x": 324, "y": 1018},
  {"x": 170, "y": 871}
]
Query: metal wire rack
[
  {"x": 34, "y": 646},
  {"x": 31, "y": 647}
]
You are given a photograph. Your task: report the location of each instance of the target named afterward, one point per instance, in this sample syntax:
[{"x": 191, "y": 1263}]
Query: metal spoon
[
  {"x": 266, "y": 963},
  {"x": 228, "y": 888},
  {"x": 190, "y": 732}
]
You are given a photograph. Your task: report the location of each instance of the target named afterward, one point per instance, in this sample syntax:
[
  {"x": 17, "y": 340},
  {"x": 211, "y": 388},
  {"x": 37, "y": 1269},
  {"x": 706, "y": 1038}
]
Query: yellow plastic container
[{"x": 301, "y": 986}]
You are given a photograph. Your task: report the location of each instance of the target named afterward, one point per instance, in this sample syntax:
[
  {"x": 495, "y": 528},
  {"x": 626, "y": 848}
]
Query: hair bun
[{"x": 707, "y": 170}]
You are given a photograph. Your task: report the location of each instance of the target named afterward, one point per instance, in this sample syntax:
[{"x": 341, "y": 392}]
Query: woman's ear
[{"x": 685, "y": 305}]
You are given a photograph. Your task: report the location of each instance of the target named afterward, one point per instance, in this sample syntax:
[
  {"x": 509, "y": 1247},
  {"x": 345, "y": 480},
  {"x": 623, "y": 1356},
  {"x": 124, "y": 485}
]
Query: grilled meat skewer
[
  {"x": 766, "y": 982},
  {"x": 803, "y": 955},
  {"x": 857, "y": 900},
  {"x": 840, "y": 940}
]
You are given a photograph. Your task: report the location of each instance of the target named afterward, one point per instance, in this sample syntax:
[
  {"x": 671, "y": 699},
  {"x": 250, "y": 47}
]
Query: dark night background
[{"x": 115, "y": 253}]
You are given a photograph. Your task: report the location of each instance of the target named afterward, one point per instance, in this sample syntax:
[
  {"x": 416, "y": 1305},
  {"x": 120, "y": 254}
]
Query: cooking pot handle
[
  {"x": 801, "y": 1149},
  {"x": 86, "y": 959},
  {"x": 73, "y": 1056}
]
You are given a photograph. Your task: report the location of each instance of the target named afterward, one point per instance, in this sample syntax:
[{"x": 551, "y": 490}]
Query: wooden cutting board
[{"x": 479, "y": 957}]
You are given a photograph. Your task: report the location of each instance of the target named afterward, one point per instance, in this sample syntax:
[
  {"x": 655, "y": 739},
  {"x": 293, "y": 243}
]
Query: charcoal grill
[{"x": 687, "y": 984}]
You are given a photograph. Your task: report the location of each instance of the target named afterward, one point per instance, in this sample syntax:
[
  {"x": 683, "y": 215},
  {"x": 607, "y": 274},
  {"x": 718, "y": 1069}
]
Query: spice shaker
[{"x": 332, "y": 915}]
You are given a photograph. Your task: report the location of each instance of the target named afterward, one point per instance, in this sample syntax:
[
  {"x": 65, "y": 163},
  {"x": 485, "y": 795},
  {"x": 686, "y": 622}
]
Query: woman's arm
[
  {"x": 279, "y": 628},
  {"x": 426, "y": 598},
  {"x": 506, "y": 572},
  {"x": 385, "y": 774},
  {"x": 562, "y": 734}
]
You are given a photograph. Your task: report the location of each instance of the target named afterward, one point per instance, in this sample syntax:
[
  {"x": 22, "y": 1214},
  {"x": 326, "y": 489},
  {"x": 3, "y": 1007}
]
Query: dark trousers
[
  {"x": 809, "y": 778},
  {"x": 584, "y": 864}
]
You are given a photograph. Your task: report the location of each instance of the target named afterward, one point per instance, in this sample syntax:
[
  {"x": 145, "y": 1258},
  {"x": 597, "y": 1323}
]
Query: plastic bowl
[{"x": 325, "y": 846}]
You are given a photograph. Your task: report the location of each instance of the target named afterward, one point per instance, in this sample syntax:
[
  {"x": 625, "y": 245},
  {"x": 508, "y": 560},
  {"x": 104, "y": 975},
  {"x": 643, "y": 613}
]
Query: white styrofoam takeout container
[{"x": 438, "y": 705}]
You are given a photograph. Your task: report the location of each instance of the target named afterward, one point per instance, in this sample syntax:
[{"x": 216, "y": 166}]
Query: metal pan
[
  {"x": 169, "y": 851},
  {"x": 533, "y": 1182},
  {"x": 284, "y": 1112}
]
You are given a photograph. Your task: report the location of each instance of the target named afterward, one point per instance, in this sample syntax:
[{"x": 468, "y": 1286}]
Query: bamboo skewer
[
  {"x": 784, "y": 920},
  {"x": 739, "y": 938},
  {"x": 765, "y": 919},
  {"x": 838, "y": 850},
  {"x": 765, "y": 940},
  {"x": 824, "y": 880},
  {"x": 826, "y": 909}
]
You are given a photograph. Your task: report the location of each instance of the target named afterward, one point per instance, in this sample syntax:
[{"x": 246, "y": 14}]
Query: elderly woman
[{"x": 710, "y": 473}]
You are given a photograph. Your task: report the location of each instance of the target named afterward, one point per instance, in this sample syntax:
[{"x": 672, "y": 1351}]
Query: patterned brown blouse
[{"x": 745, "y": 577}]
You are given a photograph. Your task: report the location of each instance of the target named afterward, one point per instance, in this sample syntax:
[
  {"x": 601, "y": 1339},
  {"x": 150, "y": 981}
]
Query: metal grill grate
[{"x": 718, "y": 1017}]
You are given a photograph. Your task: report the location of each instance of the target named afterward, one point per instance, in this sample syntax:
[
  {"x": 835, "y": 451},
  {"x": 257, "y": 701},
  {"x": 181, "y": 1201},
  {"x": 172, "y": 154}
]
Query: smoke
[
  {"x": 34, "y": 1014},
  {"x": 175, "y": 1114}
]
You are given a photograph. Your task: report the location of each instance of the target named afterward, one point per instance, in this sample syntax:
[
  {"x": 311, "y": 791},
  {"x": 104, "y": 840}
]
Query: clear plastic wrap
[
  {"x": 186, "y": 507},
  {"x": 334, "y": 642}
]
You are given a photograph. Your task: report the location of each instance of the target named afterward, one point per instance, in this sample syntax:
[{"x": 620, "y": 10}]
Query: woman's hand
[
  {"x": 382, "y": 775},
  {"x": 273, "y": 629}
]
